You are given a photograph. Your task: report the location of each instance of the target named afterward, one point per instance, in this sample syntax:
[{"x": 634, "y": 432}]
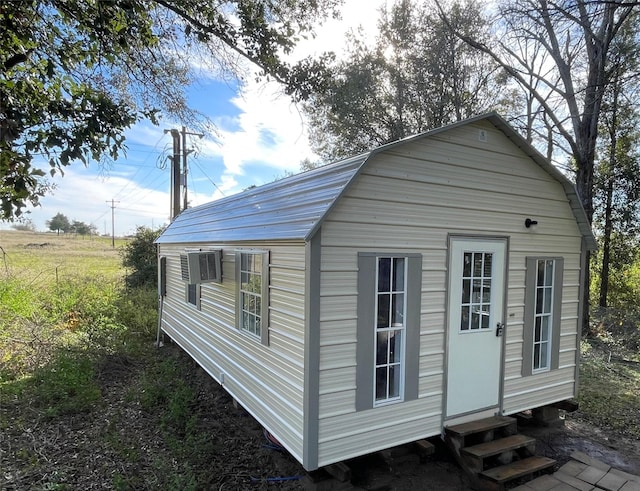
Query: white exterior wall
[
  {"x": 266, "y": 380},
  {"x": 521, "y": 393},
  {"x": 409, "y": 199}
]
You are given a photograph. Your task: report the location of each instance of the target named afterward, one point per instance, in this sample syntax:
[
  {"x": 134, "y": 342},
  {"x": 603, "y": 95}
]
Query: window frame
[
  {"x": 263, "y": 313},
  {"x": 384, "y": 362},
  {"x": 543, "y": 315},
  {"x": 553, "y": 313},
  {"x": 197, "y": 294},
  {"x": 478, "y": 305},
  {"x": 367, "y": 326}
]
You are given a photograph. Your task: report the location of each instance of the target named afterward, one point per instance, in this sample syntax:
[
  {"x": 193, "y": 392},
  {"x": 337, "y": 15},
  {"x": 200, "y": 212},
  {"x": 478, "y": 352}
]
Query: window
[
  {"x": 543, "y": 317},
  {"x": 476, "y": 291},
  {"x": 388, "y": 328},
  {"x": 543, "y": 310},
  {"x": 252, "y": 293},
  {"x": 192, "y": 294}
]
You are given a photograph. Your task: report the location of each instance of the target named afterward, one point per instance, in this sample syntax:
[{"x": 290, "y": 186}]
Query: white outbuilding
[{"x": 372, "y": 302}]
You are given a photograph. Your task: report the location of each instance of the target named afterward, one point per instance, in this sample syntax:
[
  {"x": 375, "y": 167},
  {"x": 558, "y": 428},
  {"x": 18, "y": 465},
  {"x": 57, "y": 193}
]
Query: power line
[
  {"x": 130, "y": 180},
  {"x": 186, "y": 152},
  {"x": 178, "y": 175},
  {"x": 113, "y": 222},
  {"x": 207, "y": 176}
]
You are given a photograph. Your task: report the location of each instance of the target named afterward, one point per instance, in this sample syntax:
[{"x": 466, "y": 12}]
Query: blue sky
[{"x": 260, "y": 136}]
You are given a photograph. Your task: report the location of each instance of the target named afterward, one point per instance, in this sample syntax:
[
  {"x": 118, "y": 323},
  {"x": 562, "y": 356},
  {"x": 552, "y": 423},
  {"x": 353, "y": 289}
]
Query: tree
[
  {"x": 559, "y": 53},
  {"x": 617, "y": 171},
  {"x": 74, "y": 74},
  {"x": 140, "y": 256},
  {"x": 416, "y": 77},
  {"x": 24, "y": 225},
  {"x": 82, "y": 228},
  {"x": 59, "y": 223}
]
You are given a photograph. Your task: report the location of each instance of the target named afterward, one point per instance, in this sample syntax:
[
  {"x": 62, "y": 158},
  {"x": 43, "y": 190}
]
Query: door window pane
[
  {"x": 475, "y": 308},
  {"x": 466, "y": 264},
  {"x": 464, "y": 322},
  {"x": 484, "y": 320}
]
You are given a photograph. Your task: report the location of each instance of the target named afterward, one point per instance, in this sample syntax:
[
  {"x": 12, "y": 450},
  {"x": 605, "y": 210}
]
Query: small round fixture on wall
[{"x": 528, "y": 222}]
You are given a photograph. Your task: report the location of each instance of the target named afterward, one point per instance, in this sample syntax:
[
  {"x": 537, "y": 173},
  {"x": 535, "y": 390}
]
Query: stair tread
[
  {"x": 517, "y": 469},
  {"x": 498, "y": 446},
  {"x": 479, "y": 425}
]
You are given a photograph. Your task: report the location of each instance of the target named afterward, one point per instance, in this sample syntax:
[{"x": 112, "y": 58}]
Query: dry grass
[
  {"x": 48, "y": 257},
  {"x": 89, "y": 402},
  {"x": 54, "y": 290},
  {"x": 610, "y": 388}
]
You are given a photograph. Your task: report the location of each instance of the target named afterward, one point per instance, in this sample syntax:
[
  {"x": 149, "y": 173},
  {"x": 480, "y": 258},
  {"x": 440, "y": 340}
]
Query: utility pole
[
  {"x": 178, "y": 175},
  {"x": 186, "y": 152},
  {"x": 113, "y": 222},
  {"x": 175, "y": 175}
]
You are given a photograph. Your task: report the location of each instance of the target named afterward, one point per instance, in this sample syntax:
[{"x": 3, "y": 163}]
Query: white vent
[
  {"x": 482, "y": 135},
  {"x": 184, "y": 267},
  {"x": 201, "y": 267}
]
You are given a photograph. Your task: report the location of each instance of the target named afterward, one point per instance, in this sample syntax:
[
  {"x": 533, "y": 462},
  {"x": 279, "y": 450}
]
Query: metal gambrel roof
[
  {"x": 294, "y": 207},
  {"x": 290, "y": 208}
]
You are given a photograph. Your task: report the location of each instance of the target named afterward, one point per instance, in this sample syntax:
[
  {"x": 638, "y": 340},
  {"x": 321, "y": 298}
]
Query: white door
[{"x": 476, "y": 309}]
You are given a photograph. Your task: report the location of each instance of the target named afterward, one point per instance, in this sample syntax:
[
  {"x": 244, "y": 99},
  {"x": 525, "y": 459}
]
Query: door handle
[{"x": 499, "y": 329}]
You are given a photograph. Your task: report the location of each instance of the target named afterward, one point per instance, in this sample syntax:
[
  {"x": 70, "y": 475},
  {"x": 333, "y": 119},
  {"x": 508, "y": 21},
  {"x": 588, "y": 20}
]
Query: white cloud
[
  {"x": 145, "y": 133},
  {"x": 271, "y": 131},
  {"x": 330, "y": 36},
  {"x": 81, "y": 195},
  {"x": 266, "y": 139}
]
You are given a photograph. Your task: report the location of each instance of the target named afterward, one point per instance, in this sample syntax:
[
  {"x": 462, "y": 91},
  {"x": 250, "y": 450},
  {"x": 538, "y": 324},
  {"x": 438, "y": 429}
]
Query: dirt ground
[
  {"x": 440, "y": 472},
  {"x": 118, "y": 445}
]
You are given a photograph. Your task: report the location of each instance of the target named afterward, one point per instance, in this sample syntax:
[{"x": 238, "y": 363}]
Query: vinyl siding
[
  {"x": 346, "y": 437},
  {"x": 521, "y": 392},
  {"x": 404, "y": 198},
  {"x": 266, "y": 380},
  {"x": 409, "y": 199}
]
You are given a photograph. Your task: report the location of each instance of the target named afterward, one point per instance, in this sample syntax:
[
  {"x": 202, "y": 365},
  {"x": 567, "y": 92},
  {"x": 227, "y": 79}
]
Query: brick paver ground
[{"x": 584, "y": 473}]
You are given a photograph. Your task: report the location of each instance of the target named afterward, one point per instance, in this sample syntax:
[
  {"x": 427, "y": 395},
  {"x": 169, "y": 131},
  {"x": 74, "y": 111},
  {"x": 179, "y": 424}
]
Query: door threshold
[{"x": 466, "y": 418}]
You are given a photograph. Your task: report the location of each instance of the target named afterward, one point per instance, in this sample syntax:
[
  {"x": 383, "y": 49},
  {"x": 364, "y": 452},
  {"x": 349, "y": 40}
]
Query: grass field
[
  {"x": 609, "y": 394},
  {"x": 88, "y": 402},
  {"x": 47, "y": 257},
  {"x": 56, "y": 292}
]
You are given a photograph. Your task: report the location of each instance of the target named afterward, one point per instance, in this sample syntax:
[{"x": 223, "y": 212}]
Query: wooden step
[
  {"x": 517, "y": 469},
  {"x": 496, "y": 447},
  {"x": 480, "y": 425},
  {"x": 498, "y": 452}
]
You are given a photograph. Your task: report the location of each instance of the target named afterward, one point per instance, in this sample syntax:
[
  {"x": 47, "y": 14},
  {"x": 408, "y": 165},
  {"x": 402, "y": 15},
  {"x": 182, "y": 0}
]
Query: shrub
[
  {"x": 140, "y": 256},
  {"x": 138, "y": 310}
]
